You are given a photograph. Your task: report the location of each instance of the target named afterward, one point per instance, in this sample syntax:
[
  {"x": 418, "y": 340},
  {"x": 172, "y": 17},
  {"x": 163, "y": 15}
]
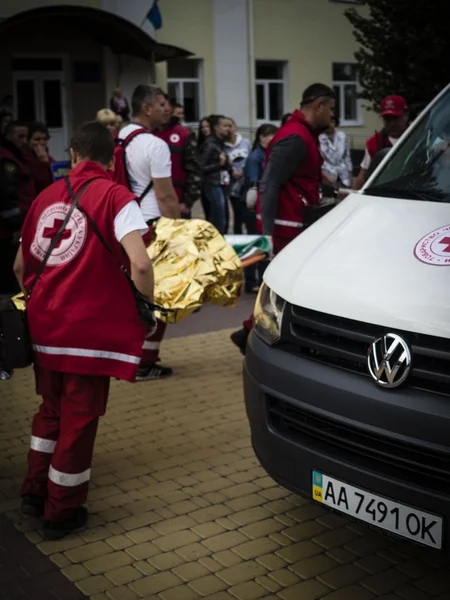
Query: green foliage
[{"x": 404, "y": 49}]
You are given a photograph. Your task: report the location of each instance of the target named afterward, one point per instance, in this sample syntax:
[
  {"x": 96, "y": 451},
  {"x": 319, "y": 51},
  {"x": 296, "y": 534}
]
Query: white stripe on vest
[
  {"x": 42, "y": 445},
  {"x": 68, "y": 479},
  {"x": 84, "y": 352}
]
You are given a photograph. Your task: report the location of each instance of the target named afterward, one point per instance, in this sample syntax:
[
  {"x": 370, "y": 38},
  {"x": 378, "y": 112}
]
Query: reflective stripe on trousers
[{"x": 284, "y": 223}]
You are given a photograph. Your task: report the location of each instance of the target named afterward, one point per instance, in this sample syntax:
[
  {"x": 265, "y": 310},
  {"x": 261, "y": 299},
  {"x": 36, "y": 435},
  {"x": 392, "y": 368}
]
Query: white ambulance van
[{"x": 347, "y": 370}]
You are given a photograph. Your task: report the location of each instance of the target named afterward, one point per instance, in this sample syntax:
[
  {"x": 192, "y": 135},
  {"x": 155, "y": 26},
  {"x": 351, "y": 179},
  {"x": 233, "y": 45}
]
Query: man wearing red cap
[{"x": 394, "y": 112}]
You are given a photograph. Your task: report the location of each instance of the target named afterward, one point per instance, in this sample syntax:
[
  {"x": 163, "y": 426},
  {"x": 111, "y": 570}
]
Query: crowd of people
[{"x": 67, "y": 240}]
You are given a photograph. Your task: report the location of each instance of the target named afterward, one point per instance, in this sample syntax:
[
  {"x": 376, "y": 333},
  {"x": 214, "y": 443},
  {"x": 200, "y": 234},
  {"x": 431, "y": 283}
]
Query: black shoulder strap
[
  {"x": 124, "y": 143},
  {"x": 94, "y": 226},
  {"x": 57, "y": 237}
]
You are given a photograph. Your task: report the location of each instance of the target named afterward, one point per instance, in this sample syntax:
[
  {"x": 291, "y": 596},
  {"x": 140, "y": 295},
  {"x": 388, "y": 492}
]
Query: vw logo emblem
[{"x": 389, "y": 360}]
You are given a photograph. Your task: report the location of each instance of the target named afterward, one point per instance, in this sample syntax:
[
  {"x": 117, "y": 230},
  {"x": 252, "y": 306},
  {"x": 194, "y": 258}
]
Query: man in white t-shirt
[
  {"x": 148, "y": 160},
  {"x": 395, "y": 115}
]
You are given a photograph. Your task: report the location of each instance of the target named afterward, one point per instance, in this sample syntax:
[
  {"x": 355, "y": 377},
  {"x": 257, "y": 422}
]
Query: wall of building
[
  {"x": 309, "y": 35},
  {"x": 315, "y": 35},
  {"x": 190, "y": 25}
]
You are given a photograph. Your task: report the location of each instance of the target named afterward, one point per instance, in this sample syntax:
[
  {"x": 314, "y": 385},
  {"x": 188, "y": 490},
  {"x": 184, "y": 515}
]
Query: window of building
[
  {"x": 346, "y": 86},
  {"x": 184, "y": 86},
  {"x": 270, "y": 79}
]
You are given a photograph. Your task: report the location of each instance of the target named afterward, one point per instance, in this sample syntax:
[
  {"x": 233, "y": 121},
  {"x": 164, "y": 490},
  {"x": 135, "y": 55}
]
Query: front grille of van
[
  {"x": 344, "y": 343},
  {"x": 407, "y": 461}
]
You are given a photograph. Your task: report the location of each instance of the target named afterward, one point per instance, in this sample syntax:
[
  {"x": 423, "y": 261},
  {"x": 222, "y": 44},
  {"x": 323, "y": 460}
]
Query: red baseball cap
[{"x": 393, "y": 105}]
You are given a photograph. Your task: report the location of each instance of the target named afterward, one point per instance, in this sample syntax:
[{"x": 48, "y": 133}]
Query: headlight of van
[{"x": 268, "y": 314}]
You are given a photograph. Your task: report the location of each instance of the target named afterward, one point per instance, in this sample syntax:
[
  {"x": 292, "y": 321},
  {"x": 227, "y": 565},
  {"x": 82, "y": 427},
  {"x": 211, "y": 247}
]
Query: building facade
[
  {"x": 250, "y": 59},
  {"x": 253, "y": 58}
]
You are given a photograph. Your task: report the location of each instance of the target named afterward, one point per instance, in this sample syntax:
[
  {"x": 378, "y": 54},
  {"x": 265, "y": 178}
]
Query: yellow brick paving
[{"x": 180, "y": 508}]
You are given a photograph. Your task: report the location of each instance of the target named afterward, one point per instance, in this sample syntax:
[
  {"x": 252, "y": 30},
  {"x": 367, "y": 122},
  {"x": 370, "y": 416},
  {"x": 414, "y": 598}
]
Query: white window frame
[
  {"x": 179, "y": 86},
  {"x": 359, "y": 121},
  {"x": 265, "y": 83}
]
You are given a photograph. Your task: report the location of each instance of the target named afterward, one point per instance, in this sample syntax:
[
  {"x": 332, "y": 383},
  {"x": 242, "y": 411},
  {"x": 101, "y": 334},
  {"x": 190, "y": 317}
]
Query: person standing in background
[
  {"x": 17, "y": 193},
  {"x": 292, "y": 177},
  {"x": 149, "y": 169},
  {"x": 204, "y": 131},
  {"x": 108, "y": 118},
  {"x": 38, "y": 157},
  {"x": 253, "y": 172},
  {"x": 216, "y": 171},
  {"x": 395, "y": 114},
  {"x": 337, "y": 168},
  {"x": 178, "y": 112},
  {"x": 238, "y": 150},
  {"x": 186, "y": 168},
  {"x": 119, "y": 104}
]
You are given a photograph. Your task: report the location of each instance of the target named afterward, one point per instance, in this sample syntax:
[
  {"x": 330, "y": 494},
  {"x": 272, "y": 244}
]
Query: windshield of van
[{"x": 420, "y": 167}]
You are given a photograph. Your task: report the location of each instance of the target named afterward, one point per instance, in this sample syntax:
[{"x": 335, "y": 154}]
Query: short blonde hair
[{"x": 105, "y": 115}]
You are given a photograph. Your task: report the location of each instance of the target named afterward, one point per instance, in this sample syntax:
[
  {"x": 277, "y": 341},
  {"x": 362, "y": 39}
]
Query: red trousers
[
  {"x": 152, "y": 345},
  {"x": 278, "y": 244},
  {"x": 62, "y": 440}
]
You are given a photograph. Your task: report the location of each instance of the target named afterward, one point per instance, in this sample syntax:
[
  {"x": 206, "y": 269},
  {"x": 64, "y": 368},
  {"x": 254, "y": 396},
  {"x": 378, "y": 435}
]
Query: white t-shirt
[
  {"x": 147, "y": 158},
  {"x": 368, "y": 159},
  {"x": 129, "y": 219}
]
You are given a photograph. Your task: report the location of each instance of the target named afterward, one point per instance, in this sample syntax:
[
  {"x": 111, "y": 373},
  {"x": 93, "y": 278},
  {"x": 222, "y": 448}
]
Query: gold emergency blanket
[
  {"x": 193, "y": 264},
  {"x": 19, "y": 301}
]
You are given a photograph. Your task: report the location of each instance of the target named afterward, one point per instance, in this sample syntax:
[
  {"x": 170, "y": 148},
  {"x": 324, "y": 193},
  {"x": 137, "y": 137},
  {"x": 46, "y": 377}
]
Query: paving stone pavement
[{"x": 182, "y": 510}]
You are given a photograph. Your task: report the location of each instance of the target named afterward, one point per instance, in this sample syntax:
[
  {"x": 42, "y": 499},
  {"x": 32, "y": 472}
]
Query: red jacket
[
  {"x": 176, "y": 136},
  {"x": 82, "y": 313},
  {"x": 377, "y": 142},
  {"x": 41, "y": 172},
  {"x": 303, "y": 188},
  {"x": 17, "y": 189}
]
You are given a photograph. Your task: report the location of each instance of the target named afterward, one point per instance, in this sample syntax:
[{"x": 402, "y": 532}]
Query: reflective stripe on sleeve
[
  {"x": 68, "y": 479},
  {"x": 84, "y": 352},
  {"x": 288, "y": 223},
  {"x": 42, "y": 445},
  {"x": 284, "y": 223}
]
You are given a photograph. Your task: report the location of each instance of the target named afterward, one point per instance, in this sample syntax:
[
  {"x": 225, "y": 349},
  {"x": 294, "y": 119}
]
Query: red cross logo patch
[
  {"x": 434, "y": 248},
  {"x": 71, "y": 241}
]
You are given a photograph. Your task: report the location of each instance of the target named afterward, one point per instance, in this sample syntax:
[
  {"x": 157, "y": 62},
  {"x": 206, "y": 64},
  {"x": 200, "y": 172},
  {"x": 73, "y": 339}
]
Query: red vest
[
  {"x": 175, "y": 137},
  {"x": 26, "y": 191},
  {"x": 303, "y": 187},
  {"x": 82, "y": 314},
  {"x": 377, "y": 142}
]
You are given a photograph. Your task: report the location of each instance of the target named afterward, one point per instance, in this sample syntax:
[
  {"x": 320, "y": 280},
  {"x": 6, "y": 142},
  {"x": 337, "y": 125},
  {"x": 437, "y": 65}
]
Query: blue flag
[{"x": 154, "y": 16}]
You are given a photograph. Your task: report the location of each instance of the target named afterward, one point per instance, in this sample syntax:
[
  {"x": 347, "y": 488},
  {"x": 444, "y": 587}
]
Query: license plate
[{"x": 424, "y": 528}]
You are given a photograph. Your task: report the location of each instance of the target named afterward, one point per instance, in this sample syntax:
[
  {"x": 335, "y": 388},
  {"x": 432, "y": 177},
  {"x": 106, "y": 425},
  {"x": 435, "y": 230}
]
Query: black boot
[
  {"x": 239, "y": 339},
  {"x": 32, "y": 506},
  {"x": 54, "y": 530}
]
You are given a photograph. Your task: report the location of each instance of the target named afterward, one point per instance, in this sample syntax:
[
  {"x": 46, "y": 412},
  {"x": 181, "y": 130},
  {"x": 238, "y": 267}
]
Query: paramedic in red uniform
[
  {"x": 395, "y": 115},
  {"x": 148, "y": 160},
  {"x": 84, "y": 323},
  {"x": 186, "y": 168},
  {"x": 17, "y": 192},
  {"x": 292, "y": 176}
]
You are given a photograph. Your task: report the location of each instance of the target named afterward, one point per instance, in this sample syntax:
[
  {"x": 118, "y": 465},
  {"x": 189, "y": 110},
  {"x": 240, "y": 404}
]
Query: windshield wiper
[{"x": 386, "y": 190}]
